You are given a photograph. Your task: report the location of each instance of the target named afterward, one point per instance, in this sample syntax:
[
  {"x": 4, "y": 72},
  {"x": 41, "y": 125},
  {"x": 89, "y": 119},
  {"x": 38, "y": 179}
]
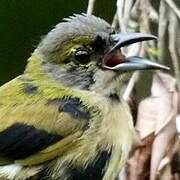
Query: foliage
[{"x": 157, "y": 156}]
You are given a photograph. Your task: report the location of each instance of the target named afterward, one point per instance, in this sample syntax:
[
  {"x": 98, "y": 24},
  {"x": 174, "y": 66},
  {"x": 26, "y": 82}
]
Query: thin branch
[
  {"x": 130, "y": 86},
  {"x": 120, "y": 10},
  {"x": 115, "y": 21},
  {"x": 134, "y": 50},
  {"x": 90, "y": 8},
  {"x": 178, "y": 124},
  {"x": 153, "y": 14},
  {"x": 135, "y": 12},
  {"x": 123, "y": 174},
  {"x": 123, "y": 11},
  {"x": 145, "y": 19},
  {"x": 162, "y": 27},
  {"x": 127, "y": 12},
  {"x": 172, "y": 45},
  {"x": 173, "y": 7},
  {"x": 168, "y": 159}
]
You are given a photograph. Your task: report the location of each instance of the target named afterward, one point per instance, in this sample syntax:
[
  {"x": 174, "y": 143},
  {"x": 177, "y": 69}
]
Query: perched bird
[{"x": 64, "y": 118}]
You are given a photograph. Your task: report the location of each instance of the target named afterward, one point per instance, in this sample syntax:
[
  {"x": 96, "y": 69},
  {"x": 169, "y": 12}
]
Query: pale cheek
[
  {"x": 109, "y": 82},
  {"x": 104, "y": 76},
  {"x": 102, "y": 79}
]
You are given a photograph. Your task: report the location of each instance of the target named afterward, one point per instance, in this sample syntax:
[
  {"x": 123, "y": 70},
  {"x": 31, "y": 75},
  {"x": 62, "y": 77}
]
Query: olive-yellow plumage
[{"x": 64, "y": 118}]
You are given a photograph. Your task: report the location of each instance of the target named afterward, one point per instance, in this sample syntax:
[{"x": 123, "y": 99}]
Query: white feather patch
[
  {"x": 10, "y": 171},
  {"x": 178, "y": 124}
]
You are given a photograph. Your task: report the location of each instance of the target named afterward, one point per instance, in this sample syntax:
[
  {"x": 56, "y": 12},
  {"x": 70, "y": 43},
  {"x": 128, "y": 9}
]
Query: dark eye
[{"x": 82, "y": 56}]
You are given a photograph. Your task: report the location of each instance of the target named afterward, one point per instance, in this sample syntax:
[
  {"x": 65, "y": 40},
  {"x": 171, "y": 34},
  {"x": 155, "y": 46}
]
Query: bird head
[{"x": 85, "y": 52}]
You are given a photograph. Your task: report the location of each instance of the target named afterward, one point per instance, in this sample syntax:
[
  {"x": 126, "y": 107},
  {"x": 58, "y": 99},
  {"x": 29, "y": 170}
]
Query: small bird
[{"x": 64, "y": 118}]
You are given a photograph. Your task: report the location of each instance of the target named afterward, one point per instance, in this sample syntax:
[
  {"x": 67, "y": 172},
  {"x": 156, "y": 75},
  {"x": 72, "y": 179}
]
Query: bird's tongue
[{"x": 113, "y": 59}]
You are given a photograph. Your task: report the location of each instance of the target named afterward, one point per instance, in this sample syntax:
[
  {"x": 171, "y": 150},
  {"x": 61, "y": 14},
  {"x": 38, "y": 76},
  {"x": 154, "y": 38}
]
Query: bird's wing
[{"x": 34, "y": 128}]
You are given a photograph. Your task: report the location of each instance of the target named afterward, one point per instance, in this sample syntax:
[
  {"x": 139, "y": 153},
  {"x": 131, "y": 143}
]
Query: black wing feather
[{"x": 20, "y": 141}]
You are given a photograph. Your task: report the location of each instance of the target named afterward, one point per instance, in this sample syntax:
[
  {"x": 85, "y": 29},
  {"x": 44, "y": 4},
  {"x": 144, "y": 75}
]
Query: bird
[{"x": 64, "y": 118}]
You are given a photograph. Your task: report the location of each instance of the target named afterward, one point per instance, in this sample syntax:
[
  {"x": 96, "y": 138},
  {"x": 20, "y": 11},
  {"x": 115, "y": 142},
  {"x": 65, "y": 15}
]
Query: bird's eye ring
[{"x": 82, "y": 56}]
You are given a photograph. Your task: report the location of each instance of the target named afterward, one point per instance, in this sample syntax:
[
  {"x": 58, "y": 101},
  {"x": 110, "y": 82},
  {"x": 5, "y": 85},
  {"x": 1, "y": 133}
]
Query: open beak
[{"x": 114, "y": 60}]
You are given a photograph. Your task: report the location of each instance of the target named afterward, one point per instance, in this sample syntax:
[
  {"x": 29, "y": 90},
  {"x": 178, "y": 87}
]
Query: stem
[
  {"x": 162, "y": 28},
  {"x": 172, "y": 45},
  {"x": 115, "y": 21},
  {"x": 173, "y": 7},
  {"x": 130, "y": 86},
  {"x": 90, "y": 7}
]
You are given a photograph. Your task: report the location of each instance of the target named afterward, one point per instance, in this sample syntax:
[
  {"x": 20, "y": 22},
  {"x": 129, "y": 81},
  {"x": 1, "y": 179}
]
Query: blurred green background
[{"x": 23, "y": 22}]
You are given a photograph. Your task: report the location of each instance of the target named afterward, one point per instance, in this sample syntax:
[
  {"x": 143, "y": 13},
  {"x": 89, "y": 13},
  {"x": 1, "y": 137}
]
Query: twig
[
  {"x": 173, "y": 7},
  {"x": 134, "y": 50},
  {"x": 172, "y": 45},
  {"x": 162, "y": 27},
  {"x": 135, "y": 12},
  {"x": 123, "y": 174},
  {"x": 145, "y": 20},
  {"x": 123, "y": 11},
  {"x": 115, "y": 21},
  {"x": 90, "y": 7},
  {"x": 130, "y": 86},
  {"x": 127, "y": 12},
  {"x": 153, "y": 15},
  {"x": 120, "y": 9},
  {"x": 178, "y": 124}
]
